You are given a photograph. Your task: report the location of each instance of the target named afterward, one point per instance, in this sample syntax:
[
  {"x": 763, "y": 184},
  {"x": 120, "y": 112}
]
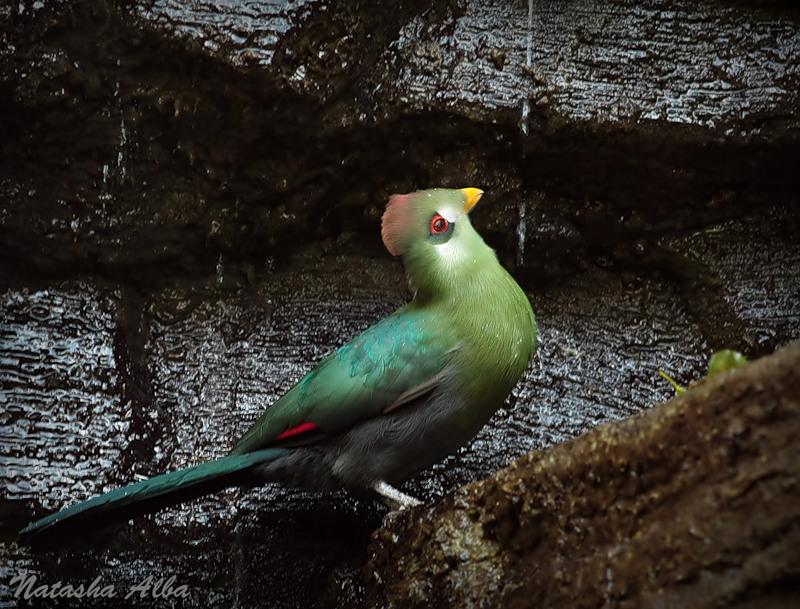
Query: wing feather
[{"x": 389, "y": 365}]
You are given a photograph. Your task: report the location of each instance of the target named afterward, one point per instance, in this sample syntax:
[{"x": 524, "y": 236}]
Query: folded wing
[{"x": 390, "y": 364}]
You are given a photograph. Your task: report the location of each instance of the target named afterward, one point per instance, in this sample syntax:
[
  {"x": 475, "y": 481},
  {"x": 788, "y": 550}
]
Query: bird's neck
[
  {"x": 489, "y": 313},
  {"x": 456, "y": 278}
]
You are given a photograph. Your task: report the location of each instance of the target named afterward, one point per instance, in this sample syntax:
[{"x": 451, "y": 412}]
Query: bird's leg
[{"x": 395, "y": 499}]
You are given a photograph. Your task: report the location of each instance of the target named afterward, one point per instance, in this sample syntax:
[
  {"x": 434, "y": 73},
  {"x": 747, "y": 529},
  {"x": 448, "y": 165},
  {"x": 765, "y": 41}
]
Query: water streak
[
  {"x": 521, "y": 233},
  {"x": 526, "y": 104},
  {"x": 220, "y": 270},
  {"x": 122, "y": 165}
]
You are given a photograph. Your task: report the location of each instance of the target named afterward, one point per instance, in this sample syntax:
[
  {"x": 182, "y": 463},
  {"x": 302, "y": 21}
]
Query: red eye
[{"x": 439, "y": 225}]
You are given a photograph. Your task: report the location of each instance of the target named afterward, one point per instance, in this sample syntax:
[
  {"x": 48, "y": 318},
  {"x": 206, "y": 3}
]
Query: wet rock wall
[{"x": 190, "y": 197}]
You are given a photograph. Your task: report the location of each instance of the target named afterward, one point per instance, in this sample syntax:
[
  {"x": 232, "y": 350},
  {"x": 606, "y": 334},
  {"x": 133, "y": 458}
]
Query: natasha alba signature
[{"x": 25, "y": 586}]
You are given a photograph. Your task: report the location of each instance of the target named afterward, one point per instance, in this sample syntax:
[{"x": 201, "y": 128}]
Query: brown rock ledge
[{"x": 694, "y": 503}]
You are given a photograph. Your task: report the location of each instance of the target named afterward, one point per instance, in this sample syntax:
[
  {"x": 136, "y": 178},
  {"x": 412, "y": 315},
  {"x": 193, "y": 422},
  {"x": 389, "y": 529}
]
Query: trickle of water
[
  {"x": 123, "y": 141},
  {"x": 122, "y": 164},
  {"x": 523, "y": 119},
  {"x": 220, "y": 270},
  {"x": 526, "y": 104},
  {"x": 521, "y": 233}
]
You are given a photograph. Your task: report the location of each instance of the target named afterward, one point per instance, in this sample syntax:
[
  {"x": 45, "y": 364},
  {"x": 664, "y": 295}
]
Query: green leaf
[
  {"x": 726, "y": 359},
  {"x": 679, "y": 390}
]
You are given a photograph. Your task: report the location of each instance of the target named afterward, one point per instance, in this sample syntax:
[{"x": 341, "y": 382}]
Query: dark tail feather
[{"x": 150, "y": 495}]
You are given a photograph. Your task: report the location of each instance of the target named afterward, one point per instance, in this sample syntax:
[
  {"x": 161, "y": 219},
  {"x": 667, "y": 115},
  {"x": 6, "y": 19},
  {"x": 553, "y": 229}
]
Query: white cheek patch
[
  {"x": 446, "y": 250},
  {"x": 451, "y": 254}
]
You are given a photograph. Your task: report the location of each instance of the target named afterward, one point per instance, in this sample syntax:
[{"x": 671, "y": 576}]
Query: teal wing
[{"x": 390, "y": 363}]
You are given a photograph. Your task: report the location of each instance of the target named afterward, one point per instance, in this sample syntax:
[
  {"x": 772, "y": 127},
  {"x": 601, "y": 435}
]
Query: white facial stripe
[{"x": 449, "y": 214}]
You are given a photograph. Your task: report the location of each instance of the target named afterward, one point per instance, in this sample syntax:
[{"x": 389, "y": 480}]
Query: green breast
[{"x": 498, "y": 332}]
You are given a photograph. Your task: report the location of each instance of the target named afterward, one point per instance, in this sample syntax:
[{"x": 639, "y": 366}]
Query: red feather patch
[
  {"x": 394, "y": 224},
  {"x": 296, "y": 431}
]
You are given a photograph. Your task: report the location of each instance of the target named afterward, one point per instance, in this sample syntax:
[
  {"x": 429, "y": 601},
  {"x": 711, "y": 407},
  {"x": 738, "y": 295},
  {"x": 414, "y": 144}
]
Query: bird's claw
[{"x": 394, "y": 498}]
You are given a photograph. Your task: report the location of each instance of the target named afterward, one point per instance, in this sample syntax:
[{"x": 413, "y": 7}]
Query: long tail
[{"x": 151, "y": 495}]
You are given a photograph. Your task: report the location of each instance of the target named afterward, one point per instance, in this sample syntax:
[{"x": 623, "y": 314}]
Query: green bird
[{"x": 396, "y": 399}]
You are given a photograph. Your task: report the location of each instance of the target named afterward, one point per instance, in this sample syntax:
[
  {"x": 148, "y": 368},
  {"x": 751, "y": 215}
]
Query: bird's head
[{"x": 431, "y": 231}]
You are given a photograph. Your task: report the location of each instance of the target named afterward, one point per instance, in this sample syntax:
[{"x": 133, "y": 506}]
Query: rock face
[
  {"x": 190, "y": 196},
  {"x": 173, "y": 131},
  {"x": 691, "y": 504}
]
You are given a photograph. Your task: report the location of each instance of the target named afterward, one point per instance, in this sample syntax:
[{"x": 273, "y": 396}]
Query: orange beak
[{"x": 472, "y": 196}]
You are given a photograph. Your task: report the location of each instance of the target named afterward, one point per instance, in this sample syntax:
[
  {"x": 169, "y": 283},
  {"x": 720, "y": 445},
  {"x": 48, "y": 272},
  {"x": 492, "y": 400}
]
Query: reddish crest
[{"x": 394, "y": 223}]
